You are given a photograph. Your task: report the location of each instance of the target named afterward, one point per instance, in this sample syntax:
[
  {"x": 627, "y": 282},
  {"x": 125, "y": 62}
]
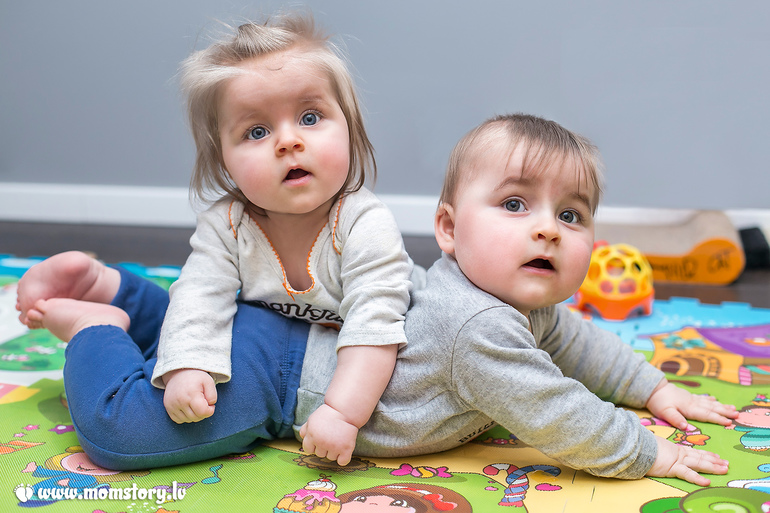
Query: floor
[{"x": 169, "y": 246}]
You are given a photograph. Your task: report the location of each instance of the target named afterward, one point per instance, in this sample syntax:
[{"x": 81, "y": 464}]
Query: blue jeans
[{"x": 119, "y": 416}]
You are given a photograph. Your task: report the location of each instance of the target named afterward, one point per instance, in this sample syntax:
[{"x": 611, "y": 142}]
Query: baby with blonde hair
[{"x": 291, "y": 238}]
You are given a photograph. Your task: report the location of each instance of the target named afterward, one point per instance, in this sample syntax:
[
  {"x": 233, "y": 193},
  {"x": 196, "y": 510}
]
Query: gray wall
[{"x": 675, "y": 93}]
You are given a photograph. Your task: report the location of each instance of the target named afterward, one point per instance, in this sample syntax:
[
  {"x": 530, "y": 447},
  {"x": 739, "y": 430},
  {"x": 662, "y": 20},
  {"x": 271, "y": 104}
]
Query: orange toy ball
[{"x": 618, "y": 283}]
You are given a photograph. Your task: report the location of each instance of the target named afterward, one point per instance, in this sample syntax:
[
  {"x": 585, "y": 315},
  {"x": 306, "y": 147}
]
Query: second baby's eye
[
  {"x": 514, "y": 205},
  {"x": 258, "y": 132},
  {"x": 309, "y": 118},
  {"x": 569, "y": 217}
]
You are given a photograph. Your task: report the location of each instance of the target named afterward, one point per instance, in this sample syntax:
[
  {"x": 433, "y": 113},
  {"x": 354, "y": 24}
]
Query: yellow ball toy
[{"x": 619, "y": 281}]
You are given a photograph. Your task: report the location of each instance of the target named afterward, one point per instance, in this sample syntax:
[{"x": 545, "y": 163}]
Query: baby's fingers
[
  {"x": 705, "y": 461},
  {"x": 718, "y": 413},
  {"x": 723, "y": 417},
  {"x": 690, "y": 476},
  {"x": 674, "y": 417},
  {"x": 344, "y": 458},
  {"x": 180, "y": 415},
  {"x": 686, "y": 463},
  {"x": 696, "y": 461},
  {"x": 200, "y": 409},
  {"x": 307, "y": 443},
  {"x": 708, "y": 409}
]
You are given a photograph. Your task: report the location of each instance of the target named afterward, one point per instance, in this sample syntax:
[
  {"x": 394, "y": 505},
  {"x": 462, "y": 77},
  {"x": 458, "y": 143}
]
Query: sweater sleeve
[
  {"x": 197, "y": 329},
  {"x": 375, "y": 275},
  {"x": 498, "y": 370},
  {"x": 596, "y": 357}
]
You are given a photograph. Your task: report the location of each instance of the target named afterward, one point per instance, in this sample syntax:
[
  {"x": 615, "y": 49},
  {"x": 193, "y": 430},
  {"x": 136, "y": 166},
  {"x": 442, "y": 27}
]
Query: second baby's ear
[{"x": 444, "y": 228}]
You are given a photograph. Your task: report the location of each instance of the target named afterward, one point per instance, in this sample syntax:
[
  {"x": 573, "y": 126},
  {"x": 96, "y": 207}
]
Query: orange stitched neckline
[
  {"x": 286, "y": 285},
  {"x": 334, "y": 228},
  {"x": 230, "y": 218}
]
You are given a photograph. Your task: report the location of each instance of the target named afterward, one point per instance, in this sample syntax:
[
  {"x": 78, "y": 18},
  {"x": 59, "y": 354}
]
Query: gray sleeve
[
  {"x": 375, "y": 274},
  {"x": 197, "y": 329},
  {"x": 318, "y": 369},
  {"x": 596, "y": 357},
  {"x": 498, "y": 370}
]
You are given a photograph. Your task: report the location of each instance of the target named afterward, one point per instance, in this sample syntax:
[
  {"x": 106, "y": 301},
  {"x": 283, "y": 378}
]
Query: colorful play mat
[{"x": 723, "y": 350}]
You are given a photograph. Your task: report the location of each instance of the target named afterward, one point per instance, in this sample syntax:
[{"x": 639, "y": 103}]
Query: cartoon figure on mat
[
  {"x": 16, "y": 445},
  {"x": 733, "y": 355},
  {"x": 421, "y": 471},
  {"x": 404, "y": 498},
  {"x": 518, "y": 482},
  {"x": 711, "y": 499},
  {"x": 319, "y": 497},
  {"x": 73, "y": 470},
  {"x": 761, "y": 484},
  {"x": 754, "y": 421},
  {"x": 689, "y": 437}
]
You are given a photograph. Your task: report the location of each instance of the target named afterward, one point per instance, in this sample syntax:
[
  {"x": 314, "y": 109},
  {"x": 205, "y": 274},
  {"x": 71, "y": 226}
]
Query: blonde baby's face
[
  {"x": 524, "y": 237},
  {"x": 284, "y": 137}
]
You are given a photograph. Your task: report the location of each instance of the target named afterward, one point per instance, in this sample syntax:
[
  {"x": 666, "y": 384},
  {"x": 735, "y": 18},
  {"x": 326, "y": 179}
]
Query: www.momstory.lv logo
[{"x": 161, "y": 494}]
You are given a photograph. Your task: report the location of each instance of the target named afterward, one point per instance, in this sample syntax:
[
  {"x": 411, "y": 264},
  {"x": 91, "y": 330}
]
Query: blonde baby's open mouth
[{"x": 295, "y": 174}]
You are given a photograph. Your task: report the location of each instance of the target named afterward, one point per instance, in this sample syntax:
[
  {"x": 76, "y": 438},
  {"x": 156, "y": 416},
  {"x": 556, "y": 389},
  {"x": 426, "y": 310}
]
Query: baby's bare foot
[
  {"x": 66, "y": 317},
  {"x": 72, "y": 275}
]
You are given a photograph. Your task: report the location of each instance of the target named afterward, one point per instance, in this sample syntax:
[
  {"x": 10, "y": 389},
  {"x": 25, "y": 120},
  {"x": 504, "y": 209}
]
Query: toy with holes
[{"x": 618, "y": 283}]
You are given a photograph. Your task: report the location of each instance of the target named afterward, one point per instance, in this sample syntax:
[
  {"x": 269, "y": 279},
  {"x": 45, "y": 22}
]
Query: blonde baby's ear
[{"x": 444, "y": 228}]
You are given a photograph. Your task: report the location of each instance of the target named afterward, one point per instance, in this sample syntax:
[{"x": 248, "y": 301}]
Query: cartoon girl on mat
[{"x": 404, "y": 498}]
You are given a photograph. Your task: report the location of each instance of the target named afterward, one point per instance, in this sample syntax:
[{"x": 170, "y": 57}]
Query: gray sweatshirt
[{"x": 474, "y": 361}]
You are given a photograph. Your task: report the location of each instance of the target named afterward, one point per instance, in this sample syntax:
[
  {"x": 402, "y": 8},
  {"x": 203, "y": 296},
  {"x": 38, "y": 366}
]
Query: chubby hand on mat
[
  {"x": 675, "y": 405},
  {"x": 329, "y": 435},
  {"x": 685, "y": 463},
  {"x": 190, "y": 395}
]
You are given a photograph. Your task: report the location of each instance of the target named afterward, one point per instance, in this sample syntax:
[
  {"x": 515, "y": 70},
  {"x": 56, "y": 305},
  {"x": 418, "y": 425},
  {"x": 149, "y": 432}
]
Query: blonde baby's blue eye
[
  {"x": 309, "y": 118},
  {"x": 569, "y": 217},
  {"x": 514, "y": 205},
  {"x": 257, "y": 133}
]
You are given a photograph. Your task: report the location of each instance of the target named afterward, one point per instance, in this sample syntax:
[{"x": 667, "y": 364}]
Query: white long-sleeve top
[{"x": 358, "y": 265}]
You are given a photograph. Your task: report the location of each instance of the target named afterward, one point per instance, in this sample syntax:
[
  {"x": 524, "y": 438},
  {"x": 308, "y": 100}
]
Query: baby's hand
[
  {"x": 190, "y": 395},
  {"x": 328, "y": 435},
  {"x": 685, "y": 463},
  {"x": 675, "y": 405}
]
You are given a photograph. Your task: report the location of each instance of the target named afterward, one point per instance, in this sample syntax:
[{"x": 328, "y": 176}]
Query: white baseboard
[
  {"x": 153, "y": 206},
  {"x": 96, "y": 204},
  {"x": 169, "y": 206}
]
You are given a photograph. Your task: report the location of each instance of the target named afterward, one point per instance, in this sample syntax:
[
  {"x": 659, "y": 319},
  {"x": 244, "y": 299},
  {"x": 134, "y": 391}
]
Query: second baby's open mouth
[{"x": 540, "y": 263}]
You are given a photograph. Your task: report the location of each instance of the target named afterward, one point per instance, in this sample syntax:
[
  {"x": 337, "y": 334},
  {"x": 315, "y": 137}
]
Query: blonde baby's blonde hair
[
  {"x": 204, "y": 73},
  {"x": 543, "y": 141}
]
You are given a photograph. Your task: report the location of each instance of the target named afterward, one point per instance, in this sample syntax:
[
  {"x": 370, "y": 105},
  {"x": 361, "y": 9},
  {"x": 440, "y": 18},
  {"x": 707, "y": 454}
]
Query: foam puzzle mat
[{"x": 723, "y": 350}]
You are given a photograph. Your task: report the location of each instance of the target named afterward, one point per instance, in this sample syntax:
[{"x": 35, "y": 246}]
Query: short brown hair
[{"x": 544, "y": 141}]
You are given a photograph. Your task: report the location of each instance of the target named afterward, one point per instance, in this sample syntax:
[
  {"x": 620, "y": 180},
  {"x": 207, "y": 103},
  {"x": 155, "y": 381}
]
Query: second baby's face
[{"x": 524, "y": 236}]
